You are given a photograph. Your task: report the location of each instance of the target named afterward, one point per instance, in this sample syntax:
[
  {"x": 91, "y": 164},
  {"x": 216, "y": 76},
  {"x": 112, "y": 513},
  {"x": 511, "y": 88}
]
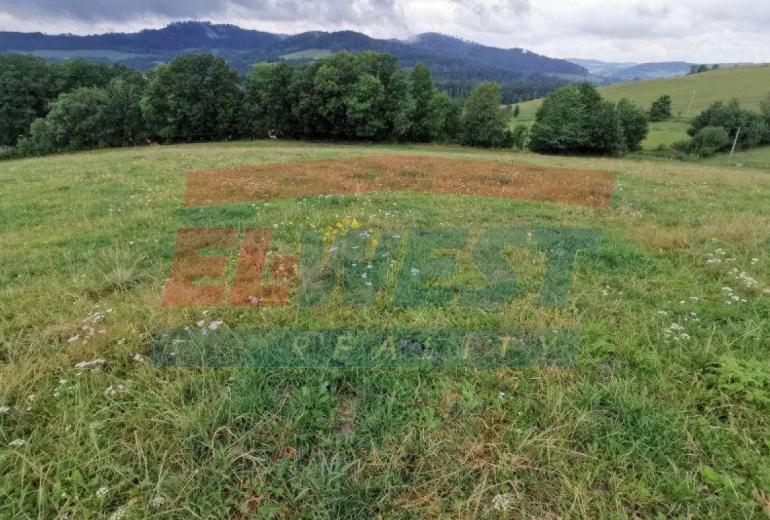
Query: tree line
[
  {"x": 198, "y": 97},
  {"x": 354, "y": 97}
]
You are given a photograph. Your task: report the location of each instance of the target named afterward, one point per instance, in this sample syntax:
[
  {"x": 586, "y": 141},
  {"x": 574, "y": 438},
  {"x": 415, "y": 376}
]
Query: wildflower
[
  {"x": 115, "y": 390},
  {"x": 214, "y": 325},
  {"x": 88, "y": 364},
  {"x": 4, "y": 409},
  {"x": 74, "y": 338},
  {"x": 501, "y": 396},
  {"x": 501, "y": 503},
  {"x": 201, "y": 323},
  {"x": 414, "y": 271},
  {"x": 676, "y": 332},
  {"x": 119, "y": 513},
  {"x": 17, "y": 443},
  {"x": 102, "y": 492},
  {"x": 138, "y": 358},
  {"x": 157, "y": 501},
  {"x": 62, "y": 382}
]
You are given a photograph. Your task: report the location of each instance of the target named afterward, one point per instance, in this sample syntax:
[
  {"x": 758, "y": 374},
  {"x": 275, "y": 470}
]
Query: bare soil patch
[{"x": 396, "y": 173}]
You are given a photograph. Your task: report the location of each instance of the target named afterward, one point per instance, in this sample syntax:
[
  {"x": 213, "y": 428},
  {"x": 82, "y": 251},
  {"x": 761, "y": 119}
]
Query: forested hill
[{"x": 456, "y": 63}]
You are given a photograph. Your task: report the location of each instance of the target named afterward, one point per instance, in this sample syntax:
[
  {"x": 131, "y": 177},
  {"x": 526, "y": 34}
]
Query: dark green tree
[
  {"x": 89, "y": 117},
  {"x": 195, "y": 97},
  {"x": 448, "y": 113},
  {"x": 426, "y": 121},
  {"x": 560, "y": 123},
  {"x": 519, "y": 137},
  {"x": 78, "y": 72},
  {"x": 268, "y": 100},
  {"x": 398, "y": 104},
  {"x": 26, "y": 87},
  {"x": 365, "y": 103},
  {"x": 516, "y": 111},
  {"x": 765, "y": 109},
  {"x": 483, "y": 120},
  {"x": 633, "y": 120},
  {"x": 575, "y": 119},
  {"x": 661, "y": 109}
]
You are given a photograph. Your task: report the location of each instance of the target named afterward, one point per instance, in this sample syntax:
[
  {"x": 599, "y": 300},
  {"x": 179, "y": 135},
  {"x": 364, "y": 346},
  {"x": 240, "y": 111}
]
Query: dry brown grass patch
[{"x": 399, "y": 173}]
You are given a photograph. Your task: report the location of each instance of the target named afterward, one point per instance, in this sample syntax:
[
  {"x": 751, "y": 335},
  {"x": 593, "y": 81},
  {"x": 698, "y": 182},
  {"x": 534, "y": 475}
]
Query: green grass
[
  {"x": 750, "y": 85},
  {"x": 641, "y": 426},
  {"x": 308, "y": 54},
  {"x": 756, "y": 158},
  {"x": 84, "y": 53}
]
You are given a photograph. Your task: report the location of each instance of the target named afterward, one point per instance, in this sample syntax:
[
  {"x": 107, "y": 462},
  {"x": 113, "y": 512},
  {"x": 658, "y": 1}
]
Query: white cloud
[{"x": 624, "y": 30}]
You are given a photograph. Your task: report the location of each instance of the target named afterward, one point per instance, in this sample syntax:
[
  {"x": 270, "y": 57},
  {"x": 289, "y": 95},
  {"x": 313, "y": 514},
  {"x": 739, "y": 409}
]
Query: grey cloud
[{"x": 320, "y": 12}]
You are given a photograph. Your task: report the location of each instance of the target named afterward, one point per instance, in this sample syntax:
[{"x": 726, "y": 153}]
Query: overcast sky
[{"x": 620, "y": 30}]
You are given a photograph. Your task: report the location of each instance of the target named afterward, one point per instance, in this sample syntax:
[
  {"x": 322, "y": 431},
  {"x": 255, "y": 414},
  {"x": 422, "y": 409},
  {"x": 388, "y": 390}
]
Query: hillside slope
[
  {"x": 749, "y": 85},
  {"x": 243, "y": 46}
]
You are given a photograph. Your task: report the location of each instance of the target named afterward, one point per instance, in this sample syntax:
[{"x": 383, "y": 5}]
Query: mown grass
[{"x": 643, "y": 425}]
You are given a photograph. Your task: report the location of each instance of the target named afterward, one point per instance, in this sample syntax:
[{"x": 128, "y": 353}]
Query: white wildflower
[
  {"x": 501, "y": 396},
  {"x": 89, "y": 364},
  {"x": 414, "y": 271},
  {"x": 115, "y": 390},
  {"x": 676, "y": 332},
  {"x": 102, "y": 492},
  {"x": 501, "y": 503},
  {"x": 4, "y": 409},
  {"x": 157, "y": 501},
  {"x": 138, "y": 358},
  {"x": 121, "y": 512},
  {"x": 214, "y": 325},
  {"x": 74, "y": 338},
  {"x": 17, "y": 443}
]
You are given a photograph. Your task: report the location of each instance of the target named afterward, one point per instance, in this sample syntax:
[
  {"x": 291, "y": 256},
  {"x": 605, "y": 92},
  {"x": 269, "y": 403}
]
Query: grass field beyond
[
  {"x": 661, "y": 412},
  {"x": 690, "y": 96}
]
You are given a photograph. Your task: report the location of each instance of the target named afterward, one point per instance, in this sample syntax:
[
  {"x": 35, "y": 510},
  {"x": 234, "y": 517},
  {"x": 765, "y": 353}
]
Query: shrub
[
  {"x": 707, "y": 142},
  {"x": 765, "y": 108},
  {"x": 518, "y": 137},
  {"x": 661, "y": 109},
  {"x": 483, "y": 121},
  {"x": 634, "y": 123},
  {"x": 730, "y": 116}
]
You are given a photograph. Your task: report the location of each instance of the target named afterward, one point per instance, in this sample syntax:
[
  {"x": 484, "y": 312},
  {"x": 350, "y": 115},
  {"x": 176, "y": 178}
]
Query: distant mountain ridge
[{"x": 146, "y": 48}]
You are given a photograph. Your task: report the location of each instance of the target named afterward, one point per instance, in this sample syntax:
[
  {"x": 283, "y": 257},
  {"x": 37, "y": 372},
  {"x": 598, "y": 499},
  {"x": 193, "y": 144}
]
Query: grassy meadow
[
  {"x": 690, "y": 95},
  {"x": 664, "y": 413}
]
